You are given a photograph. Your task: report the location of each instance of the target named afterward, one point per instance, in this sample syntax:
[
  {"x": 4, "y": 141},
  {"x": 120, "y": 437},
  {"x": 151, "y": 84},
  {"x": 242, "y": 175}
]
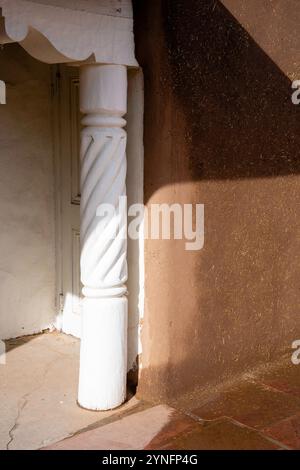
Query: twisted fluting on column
[
  {"x": 103, "y": 183},
  {"x": 103, "y": 357}
]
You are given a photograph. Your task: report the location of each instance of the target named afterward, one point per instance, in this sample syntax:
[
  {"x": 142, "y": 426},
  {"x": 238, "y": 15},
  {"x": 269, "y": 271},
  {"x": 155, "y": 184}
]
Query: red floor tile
[
  {"x": 179, "y": 424},
  {"x": 286, "y": 431},
  {"x": 221, "y": 435},
  {"x": 251, "y": 404}
]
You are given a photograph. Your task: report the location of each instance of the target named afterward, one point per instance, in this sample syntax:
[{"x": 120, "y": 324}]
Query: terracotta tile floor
[{"x": 261, "y": 412}]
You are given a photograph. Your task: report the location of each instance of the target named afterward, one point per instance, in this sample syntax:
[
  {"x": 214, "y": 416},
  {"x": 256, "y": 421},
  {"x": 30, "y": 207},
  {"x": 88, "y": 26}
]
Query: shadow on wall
[{"x": 220, "y": 129}]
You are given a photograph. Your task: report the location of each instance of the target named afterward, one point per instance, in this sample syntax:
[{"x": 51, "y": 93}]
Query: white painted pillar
[{"x": 103, "y": 355}]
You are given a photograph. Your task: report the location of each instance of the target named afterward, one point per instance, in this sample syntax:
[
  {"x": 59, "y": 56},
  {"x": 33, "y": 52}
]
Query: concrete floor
[
  {"x": 260, "y": 411},
  {"x": 38, "y": 389}
]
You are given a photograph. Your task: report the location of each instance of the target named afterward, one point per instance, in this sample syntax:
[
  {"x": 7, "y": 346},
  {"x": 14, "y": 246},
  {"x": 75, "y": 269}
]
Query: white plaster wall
[{"x": 27, "y": 263}]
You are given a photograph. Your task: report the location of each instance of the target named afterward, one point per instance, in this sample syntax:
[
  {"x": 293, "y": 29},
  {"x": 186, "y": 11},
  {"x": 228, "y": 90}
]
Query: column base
[{"x": 103, "y": 353}]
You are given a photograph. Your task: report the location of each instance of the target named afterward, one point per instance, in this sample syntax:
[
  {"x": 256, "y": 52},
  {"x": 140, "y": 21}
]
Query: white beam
[
  {"x": 121, "y": 8},
  {"x": 56, "y": 34}
]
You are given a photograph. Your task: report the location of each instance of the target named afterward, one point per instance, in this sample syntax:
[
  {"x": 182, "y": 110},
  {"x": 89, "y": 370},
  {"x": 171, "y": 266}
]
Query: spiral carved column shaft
[{"x": 103, "y": 356}]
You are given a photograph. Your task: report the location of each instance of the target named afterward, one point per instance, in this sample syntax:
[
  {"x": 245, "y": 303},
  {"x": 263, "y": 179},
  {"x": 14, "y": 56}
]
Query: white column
[{"x": 103, "y": 355}]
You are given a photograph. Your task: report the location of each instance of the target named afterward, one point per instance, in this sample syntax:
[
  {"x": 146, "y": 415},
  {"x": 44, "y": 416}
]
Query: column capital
[{"x": 103, "y": 89}]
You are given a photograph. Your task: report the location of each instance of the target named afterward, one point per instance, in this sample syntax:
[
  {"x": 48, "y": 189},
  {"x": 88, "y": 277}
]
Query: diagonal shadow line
[{"x": 234, "y": 101}]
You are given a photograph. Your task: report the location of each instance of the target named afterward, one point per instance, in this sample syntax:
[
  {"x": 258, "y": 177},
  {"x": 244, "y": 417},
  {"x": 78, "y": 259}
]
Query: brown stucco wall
[{"x": 220, "y": 129}]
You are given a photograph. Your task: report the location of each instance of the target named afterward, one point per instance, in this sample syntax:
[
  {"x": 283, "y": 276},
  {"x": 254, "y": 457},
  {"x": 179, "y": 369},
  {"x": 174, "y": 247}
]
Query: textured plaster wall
[
  {"x": 27, "y": 266},
  {"x": 220, "y": 129}
]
